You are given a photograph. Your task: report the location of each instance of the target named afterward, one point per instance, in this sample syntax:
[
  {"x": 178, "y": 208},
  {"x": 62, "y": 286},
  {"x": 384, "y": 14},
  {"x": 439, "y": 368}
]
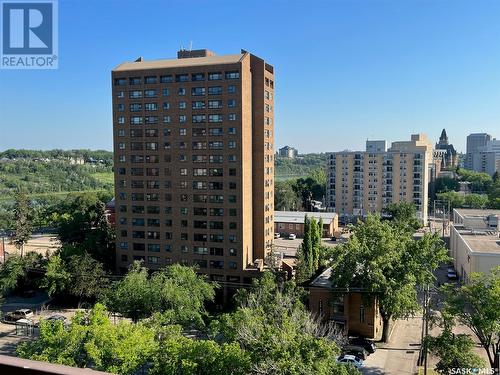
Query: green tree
[
  {"x": 475, "y": 200},
  {"x": 476, "y": 304},
  {"x": 285, "y": 197},
  {"x": 88, "y": 279},
  {"x": 181, "y": 355},
  {"x": 443, "y": 184},
  {"x": 453, "y": 350},
  {"x": 22, "y": 220},
  {"x": 57, "y": 278},
  {"x": 404, "y": 215},
  {"x": 92, "y": 340},
  {"x": 15, "y": 272},
  {"x": 387, "y": 263},
  {"x": 454, "y": 198},
  {"x": 175, "y": 292},
  {"x": 315, "y": 244},
  {"x": 273, "y": 326}
]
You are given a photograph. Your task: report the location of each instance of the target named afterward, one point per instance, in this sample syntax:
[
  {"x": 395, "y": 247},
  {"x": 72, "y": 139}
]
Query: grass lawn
[{"x": 104, "y": 177}]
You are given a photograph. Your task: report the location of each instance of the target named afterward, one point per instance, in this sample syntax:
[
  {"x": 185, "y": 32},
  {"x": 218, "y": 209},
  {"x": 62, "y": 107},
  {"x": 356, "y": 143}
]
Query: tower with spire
[{"x": 450, "y": 158}]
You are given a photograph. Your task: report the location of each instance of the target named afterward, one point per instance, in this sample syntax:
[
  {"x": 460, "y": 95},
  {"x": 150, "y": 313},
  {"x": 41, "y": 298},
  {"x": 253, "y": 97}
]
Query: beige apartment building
[
  {"x": 194, "y": 179},
  {"x": 362, "y": 182}
]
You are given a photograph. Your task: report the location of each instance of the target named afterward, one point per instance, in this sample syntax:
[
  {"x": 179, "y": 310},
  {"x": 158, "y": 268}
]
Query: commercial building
[
  {"x": 475, "y": 143},
  {"x": 288, "y": 152},
  {"x": 292, "y": 222},
  {"x": 474, "y": 241},
  {"x": 194, "y": 162},
  {"x": 349, "y": 311},
  {"x": 360, "y": 182}
]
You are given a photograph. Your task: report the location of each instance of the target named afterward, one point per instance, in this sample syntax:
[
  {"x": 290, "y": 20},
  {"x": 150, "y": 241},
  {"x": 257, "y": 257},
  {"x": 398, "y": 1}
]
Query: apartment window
[
  {"x": 198, "y": 104},
  {"x": 232, "y": 199},
  {"x": 135, "y": 107},
  {"x": 181, "y": 77},
  {"x": 198, "y": 91},
  {"x": 120, "y": 94},
  {"x": 231, "y": 103},
  {"x": 215, "y": 131},
  {"x": 135, "y": 80},
  {"x": 231, "y": 158},
  {"x": 199, "y": 172},
  {"x": 216, "y": 145},
  {"x": 214, "y": 118},
  {"x": 199, "y": 158},
  {"x": 200, "y": 250},
  {"x": 218, "y": 264},
  {"x": 199, "y": 132},
  {"x": 232, "y": 171},
  {"x": 198, "y": 77},
  {"x": 232, "y": 117},
  {"x": 151, "y": 119},
  {"x": 214, "y": 76},
  {"x": 150, "y": 93},
  {"x": 215, "y": 90},
  {"x": 166, "y": 78},
  {"x": 198, "y": 119},
  {"x": 216, "y": 159},
  {"x": 136, "y": 120},
  {"x": 232, "y": 212},
  {"x": 150, "y": 106},
  {"x": 166, "y": 119},
  {"x": 183, "y": 131},
  {"x": 232, "y": 144},
  {"x": 121, "y": 133},
  {"x": 135, "y": 94},
  {"x": 215, "y": 104},
  {"x": 135, "y": 133},
  {"x": 182, "y": 105},
  {"x": 120, "y": 81},
  {"x": 216, "y": 172},
  {"x": 181, "y": 91},
  {"x": 361, "y": 314},
  {"x": 216, "y": 212},
  {"x": 233, "y": 75},
  {"x": 154, "y": 247},
  {"x": 151, "y": 80},
  {"x": 165, "y": 92},
  {"x": 151, "y": 132},
  {"x": 218, "y": 251},
  {"x": 233, "y": 265},
  {"x": 231, "y": 131},
  {"x": 166, "y": 105},
  {"x": 121, "y": 145},
  {"x": 182, "y": 119},
  {"x": 231, "y": 89},
  {"x": 151, "y": 146},
  {"x": 120, "y": 107}
]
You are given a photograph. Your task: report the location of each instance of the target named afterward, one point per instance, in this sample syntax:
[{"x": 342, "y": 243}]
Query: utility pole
[{"x": 426, "y": 328}]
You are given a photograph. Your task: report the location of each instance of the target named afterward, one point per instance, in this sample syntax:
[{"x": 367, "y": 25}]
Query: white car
[
  {"x": 292, "y": 236},
  {"x": 348, "y": 359},
  {"x": 277, "y": 235}
]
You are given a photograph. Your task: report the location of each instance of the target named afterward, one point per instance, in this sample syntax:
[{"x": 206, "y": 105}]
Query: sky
[{"x": 346, "y": 70}]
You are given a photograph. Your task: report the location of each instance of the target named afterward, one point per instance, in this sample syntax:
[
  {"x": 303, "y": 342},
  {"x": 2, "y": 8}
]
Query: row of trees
[
  {"x": 270, "y": 332},
  {"x": 485, "y": 190},
  {"x": 295, "y": 195}
]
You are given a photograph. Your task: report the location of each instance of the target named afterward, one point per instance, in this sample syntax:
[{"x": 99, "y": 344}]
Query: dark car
[
  {"x": 365, "y": 343},
  {"x": 361, "y": 353}
]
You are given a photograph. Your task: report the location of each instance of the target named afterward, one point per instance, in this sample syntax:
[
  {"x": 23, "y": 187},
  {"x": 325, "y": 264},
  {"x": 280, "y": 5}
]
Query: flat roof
[
  {"x": 177, "y": 63},
  {"x": 297, "y": 217},
  {"x": 481, "y": 241},
  {"x": 464, "y": 212}
]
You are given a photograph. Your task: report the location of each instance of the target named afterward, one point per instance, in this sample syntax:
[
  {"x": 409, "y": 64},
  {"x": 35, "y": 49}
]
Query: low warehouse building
[{"x": 292, "y": 222}]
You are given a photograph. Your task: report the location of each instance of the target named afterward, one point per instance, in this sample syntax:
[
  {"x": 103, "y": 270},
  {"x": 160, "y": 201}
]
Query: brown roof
[{"x": 176, "y": 63}]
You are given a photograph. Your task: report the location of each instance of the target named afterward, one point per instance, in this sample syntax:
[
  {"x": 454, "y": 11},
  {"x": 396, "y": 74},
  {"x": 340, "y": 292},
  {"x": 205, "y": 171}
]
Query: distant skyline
[{"x": 345, "y": 70}]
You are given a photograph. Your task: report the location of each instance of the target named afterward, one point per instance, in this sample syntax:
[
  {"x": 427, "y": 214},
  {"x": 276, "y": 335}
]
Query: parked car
[
  {"x": 365, "y": 343},
  {"x": 452, "y": 275},
  {"x": 348, "y": 359},
  {"x": 14, "y": 316},
  {"x": 355, "y": 350},
  {"x": 292, "y": 236},
  {"x": 277, "y": 235}
]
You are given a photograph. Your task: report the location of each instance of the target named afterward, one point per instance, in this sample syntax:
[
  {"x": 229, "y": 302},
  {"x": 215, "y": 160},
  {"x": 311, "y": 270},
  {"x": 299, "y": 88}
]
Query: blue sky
[{"x": 345, "y": 70}]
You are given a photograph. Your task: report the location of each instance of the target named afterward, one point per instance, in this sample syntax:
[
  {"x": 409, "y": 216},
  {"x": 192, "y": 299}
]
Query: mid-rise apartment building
[
  {"x": 194, "y": 177},
  {"x": 475, "y": 143},
  {"x": 361, "y": 182}
]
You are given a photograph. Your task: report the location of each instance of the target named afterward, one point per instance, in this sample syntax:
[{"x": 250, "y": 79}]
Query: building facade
[
  {"x": 361, "y": 182},
  {"x": 194, "y": 177},
  {"x": 288, "y": 152},
  {"x": 474, "y": 241},
  {"x": 352, "y": 312},
  {"x": 449, "y": 157},
  {"x": 292, "y": 222},
  {"x": 475, "y": 142}
]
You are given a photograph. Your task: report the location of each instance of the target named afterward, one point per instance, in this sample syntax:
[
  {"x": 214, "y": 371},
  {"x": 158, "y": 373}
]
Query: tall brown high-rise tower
[{"x": 194, "y": 179}]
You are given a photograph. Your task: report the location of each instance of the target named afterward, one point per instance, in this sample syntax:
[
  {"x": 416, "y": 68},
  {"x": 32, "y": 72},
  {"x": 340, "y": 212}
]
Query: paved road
[{"x": 400, "y": 354}]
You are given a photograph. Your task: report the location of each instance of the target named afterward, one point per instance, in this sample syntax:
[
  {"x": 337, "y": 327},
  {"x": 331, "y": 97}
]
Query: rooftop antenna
[{"x": 190, "y": 46}]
